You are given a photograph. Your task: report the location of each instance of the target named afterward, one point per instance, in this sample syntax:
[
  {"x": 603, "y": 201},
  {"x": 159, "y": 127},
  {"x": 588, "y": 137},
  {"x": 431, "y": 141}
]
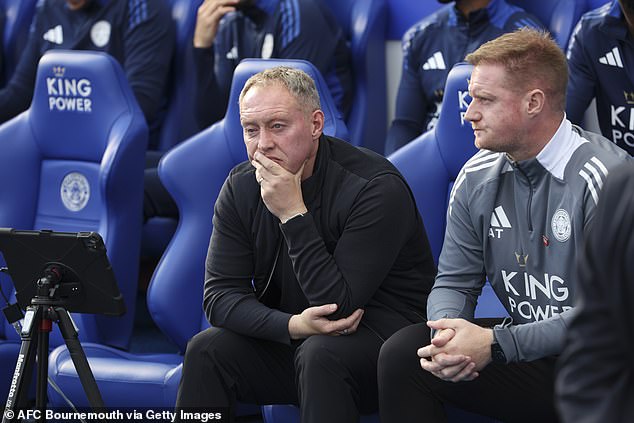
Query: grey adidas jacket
[{"x": 521, "y": 225}]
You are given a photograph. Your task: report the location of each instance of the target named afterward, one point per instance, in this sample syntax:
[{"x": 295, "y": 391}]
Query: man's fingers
[
  {"x": 347, "y": 325},
  {"x": 443, "y": 336},
  {"x": 447, "y": 360},
  {"x": 466, "y": 373},
  {"x": 323, "y": 310},
  {"x": 425, "y": 352},
  {"x": 443, "y": 323},
  {"x": 266, "y": 163}
]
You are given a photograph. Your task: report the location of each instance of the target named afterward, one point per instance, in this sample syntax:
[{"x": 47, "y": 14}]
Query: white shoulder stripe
[
  {"x": 593, "y": 191},
  {"x": 479, "y": 157},
  {"x": 597, "y": 177},
  {"x": 481, "y": 160},
  {"x": 594, "y": 172},
  {"x": 600, "y": 165},
  {"x": 480, "y": 167}
]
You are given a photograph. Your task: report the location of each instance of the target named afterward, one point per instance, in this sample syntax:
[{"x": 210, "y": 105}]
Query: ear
[
  {"x": 317, "y": 122},
  {"x": 535, "y": 101}
]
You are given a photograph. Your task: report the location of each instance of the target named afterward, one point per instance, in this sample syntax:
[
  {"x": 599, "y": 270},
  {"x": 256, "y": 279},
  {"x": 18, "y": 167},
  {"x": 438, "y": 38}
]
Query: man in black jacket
[
  {"x": 318, "y": 255},
  {"x": 595, "y": 382}
]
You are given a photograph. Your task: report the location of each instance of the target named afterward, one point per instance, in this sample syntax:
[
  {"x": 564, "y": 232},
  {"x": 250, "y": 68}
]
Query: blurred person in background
[
  {"x": 430, "y": 49},
  {"x": 279, "y": 29},
  {"x": 601, "y": 59},
  {"x": 139, "y": 34}
]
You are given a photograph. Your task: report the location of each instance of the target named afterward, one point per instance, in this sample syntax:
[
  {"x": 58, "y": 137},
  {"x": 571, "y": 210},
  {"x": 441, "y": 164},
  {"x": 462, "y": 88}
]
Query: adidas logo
[
  {"x": 233, "y": 53},
  {"x": 435, "y": 62},
  {"x": 612, "y": 58},
  {"x": 499, "y": 222},
  {"x": 54, "y": 35},
  {"x": 499, "y": 219}
]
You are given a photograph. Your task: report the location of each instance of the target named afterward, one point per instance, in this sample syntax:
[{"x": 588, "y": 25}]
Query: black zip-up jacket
[{"x": 362, "y": 244}]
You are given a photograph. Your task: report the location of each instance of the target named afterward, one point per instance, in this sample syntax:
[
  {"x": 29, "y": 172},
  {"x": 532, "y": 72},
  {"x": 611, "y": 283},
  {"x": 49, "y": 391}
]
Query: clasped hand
[
  {"x": 458, "y": 351},
  {"x": 314, "y": 321},
  {"x": 280, "y": 189}
]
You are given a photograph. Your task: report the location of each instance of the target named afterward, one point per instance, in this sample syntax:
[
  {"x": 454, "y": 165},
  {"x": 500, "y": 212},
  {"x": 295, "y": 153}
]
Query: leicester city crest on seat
[{"x": 75, "y": 191}]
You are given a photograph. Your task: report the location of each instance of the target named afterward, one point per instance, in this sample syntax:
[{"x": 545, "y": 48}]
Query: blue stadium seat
[
  {"x": 74, "y": 162},
  {"x": 365, "y": 23},
  {"x": 594, "y": 4},
  {"x": 430, "y": 164},
  {"x": 18, "y": 15},
  {"x": 180, "y": 122},
  {"x": 193, "y": 172},
  {"x": 180, "y": 118},
  {"x": 559, "y": 16},
  {"x": 405, "y": 13}
]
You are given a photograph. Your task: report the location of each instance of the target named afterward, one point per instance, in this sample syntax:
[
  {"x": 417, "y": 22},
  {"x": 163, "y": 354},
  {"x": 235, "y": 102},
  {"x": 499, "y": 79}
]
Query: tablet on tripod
[{"x": 77, "y": 261}]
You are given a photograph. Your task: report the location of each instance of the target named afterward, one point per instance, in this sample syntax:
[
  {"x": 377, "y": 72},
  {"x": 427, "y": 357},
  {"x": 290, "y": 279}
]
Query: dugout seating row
[
  {"x": 110, "y": 158},
  {"x": 77, "y": 170},
  {"x": 368, "y": 24}
]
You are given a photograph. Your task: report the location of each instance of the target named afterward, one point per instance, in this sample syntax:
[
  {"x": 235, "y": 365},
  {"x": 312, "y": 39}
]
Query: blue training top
[
  {"x": 281, "y": 29},
  {"x": 430, "y": 49},
  {"x": 600, "y": 57}
]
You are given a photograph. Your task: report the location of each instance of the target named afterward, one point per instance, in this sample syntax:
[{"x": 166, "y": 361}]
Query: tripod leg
[
  {"x": 45, "y": 327},
  {"x": 18, "y": 391},
  {"x": 79, "y": 359}
]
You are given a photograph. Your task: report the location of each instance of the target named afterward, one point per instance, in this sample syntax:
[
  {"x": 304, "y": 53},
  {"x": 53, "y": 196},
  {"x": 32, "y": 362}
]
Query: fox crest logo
[
  {"x": 560, "y": 225},
  {"x": 75, "y": 191}
]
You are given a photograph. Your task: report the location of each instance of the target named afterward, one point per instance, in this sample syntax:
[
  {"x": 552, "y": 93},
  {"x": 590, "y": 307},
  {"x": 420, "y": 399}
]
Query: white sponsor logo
[
  {"x": 612, "y": 58},
  {"x": 75, "y": 191},
  {"x": 560, "y": 225},
  {"x": 532, "y": 298},
  {"x": 499, "y": 222},
  {"x": 463, "y": 103},
  {"x": 621, "y": 130},
  {"x": 54, "y": 35},
  {"x": 68, "y": 94},
  {"x": 436, "y": 61},
  {"x": 100, "y": 33}
]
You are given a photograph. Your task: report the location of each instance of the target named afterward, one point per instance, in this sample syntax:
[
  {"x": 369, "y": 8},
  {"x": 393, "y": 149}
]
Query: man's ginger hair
[{"x": 532, "y": 60}]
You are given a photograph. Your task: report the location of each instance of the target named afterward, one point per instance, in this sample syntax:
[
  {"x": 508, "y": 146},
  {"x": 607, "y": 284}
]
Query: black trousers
[
  {"x": 331, "y": 378},
  {"x": 516, "y": 392}
]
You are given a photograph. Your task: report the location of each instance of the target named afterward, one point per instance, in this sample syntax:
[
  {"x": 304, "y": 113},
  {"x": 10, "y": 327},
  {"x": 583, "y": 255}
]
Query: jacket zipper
[{"x": 530, "y": 197}]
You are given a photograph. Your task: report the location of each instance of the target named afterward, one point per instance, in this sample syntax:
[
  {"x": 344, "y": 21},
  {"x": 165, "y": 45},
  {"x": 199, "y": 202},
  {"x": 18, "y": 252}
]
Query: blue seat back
[
  {"x": 18, "y": 15},
  {"x": 595, "y": 4},
  {"x": 559, "y": 16},
  {"x": 431, "y": 162},
  {"x": 180, "y": 121},
  {"x": 365, "y": 24},
  {"x": 193, "y": 172},
  {"x": 74, "y": 162},
  {"x": 405, "y": 13}
]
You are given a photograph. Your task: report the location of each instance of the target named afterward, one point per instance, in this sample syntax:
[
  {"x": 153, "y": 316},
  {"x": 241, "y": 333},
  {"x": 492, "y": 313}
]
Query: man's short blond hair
[
  {"x": 298, "y": 83},
  {"x": 532, "y": 60}
]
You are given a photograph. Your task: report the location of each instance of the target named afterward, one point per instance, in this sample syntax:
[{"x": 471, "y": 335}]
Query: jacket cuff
[{"x": 504, "y": 337}]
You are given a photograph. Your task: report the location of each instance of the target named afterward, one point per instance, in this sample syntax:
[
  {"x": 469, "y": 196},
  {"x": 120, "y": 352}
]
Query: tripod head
[{"x": 67, "y": 269}]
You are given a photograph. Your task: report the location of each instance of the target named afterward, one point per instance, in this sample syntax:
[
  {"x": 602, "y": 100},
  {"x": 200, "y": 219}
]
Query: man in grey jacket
[{"x": 517, "y": 215}]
